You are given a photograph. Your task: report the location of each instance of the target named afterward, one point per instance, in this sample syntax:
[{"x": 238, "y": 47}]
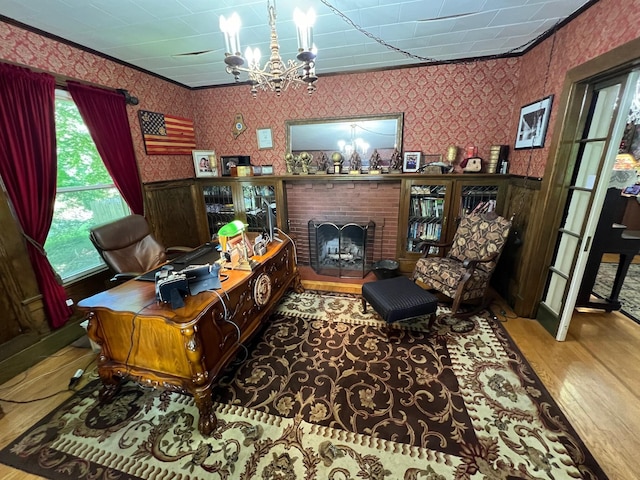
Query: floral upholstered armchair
[{"x": 465, "y": 272}]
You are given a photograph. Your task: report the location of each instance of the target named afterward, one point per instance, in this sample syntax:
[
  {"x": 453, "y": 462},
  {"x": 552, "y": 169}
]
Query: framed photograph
[
  {"x": 533, "y": 122},
  {"x": 205, "y": 163},
  {"x": 265, "y": 139},
  {"x": 267, "y": 169},
  {"x": 411, "y": 161},
  {"x": 226, "y": 163}
]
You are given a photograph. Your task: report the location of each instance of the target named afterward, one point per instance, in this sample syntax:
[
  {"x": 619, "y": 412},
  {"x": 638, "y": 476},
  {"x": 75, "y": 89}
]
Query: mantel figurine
[
  {"x": 395, "y": 165},
  {"x": 305, "y": 160},
  {"x": 355, "y": 163},
  {"x": 323, "y": 163},
  {"x": 289, "y": 161},
  {"x": 374, "y": 163}
]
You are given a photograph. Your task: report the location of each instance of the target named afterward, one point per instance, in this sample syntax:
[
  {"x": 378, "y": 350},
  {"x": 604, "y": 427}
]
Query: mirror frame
[{"x": 399, "y": 117}]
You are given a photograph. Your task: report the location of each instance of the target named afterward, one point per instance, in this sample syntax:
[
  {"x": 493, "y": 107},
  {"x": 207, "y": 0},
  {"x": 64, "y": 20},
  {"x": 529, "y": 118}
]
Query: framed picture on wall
[
  {"x": 533, "y": 122},
  {"x": 411, "y": 161},
  {"x": 265, "y": 139},
  {"x": 205, "y": 163}
]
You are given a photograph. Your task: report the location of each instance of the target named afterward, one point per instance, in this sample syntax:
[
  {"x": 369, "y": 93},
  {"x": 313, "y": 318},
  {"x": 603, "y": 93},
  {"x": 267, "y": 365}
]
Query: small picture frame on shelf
[
  {"x": 265, "y": 138},
  {"x": 205, "y": 163},
  {"x": 532, "y": 124},
  {"x": 267, "y": 169},
  {"x": 411, "y": 161}
]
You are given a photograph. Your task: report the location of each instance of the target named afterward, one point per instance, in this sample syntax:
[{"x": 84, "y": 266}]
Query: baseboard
[
  {"x": 332, "y": 287},
  {"x": 46, "y": 346}
]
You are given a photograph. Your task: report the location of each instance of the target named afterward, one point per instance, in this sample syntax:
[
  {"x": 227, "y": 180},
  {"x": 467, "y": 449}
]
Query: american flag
[{"x": 166, "y": 134}]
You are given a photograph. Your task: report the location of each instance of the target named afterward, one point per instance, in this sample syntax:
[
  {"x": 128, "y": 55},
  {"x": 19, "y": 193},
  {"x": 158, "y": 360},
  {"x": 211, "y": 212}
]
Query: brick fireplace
[{"x": 343, "y": 201}]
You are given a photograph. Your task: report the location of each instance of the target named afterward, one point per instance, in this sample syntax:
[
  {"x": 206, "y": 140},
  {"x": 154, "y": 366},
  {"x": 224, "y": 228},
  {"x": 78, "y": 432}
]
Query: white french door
[{"x": 593, "y": 150}]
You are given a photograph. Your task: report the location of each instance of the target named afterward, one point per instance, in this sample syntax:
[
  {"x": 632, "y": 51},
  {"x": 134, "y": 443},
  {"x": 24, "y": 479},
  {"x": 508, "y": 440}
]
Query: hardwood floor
[
  {"x": 594, "y": 376},
  {"x": 49, "y": 376}
]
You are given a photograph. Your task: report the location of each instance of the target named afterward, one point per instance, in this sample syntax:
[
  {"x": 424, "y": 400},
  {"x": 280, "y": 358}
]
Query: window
[{"x": 86, "y": 196}]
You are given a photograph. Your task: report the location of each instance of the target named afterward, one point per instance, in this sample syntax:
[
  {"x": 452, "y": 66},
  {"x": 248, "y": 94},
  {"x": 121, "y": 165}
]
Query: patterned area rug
[
  {"x": 327, "y": 392},
  {"x": 628, "y": 293}
]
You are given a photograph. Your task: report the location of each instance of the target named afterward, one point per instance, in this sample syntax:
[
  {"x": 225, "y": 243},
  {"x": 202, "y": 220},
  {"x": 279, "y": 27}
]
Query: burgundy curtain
[
  {"x": 28, "y": 166},
  {"x": 105, "y": 114}
]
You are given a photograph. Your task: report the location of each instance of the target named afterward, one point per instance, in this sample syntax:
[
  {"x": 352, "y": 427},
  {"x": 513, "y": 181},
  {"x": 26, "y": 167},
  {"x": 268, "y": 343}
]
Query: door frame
[
  {"x": 558, "y": 324},
  {"x": 547, "y": 213}
]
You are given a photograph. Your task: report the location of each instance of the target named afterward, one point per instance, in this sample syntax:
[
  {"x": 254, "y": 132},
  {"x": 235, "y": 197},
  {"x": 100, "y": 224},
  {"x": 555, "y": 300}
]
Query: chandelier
[{"x": 275, "y": 75}]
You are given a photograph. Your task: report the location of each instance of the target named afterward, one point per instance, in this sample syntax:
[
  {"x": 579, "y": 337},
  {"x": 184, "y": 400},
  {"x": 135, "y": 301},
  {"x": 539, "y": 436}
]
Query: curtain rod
[{"x": 61, "y": 80}]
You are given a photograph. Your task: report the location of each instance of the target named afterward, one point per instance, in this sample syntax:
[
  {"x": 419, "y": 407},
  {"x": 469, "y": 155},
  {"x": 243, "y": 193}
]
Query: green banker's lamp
[{"x": 238, "y": 251}]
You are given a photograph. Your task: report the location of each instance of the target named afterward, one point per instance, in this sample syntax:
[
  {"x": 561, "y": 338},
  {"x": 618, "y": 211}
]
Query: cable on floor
[{"x": 72, "y": 383}]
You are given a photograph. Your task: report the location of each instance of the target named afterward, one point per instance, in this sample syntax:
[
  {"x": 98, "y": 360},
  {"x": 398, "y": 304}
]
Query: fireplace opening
[{"x": 341, "y": 250}]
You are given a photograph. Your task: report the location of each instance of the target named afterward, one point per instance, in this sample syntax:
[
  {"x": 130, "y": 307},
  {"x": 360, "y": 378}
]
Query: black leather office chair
[{"x": 128, "y": 247}]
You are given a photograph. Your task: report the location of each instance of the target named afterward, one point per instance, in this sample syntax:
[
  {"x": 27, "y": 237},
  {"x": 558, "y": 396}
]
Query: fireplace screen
[{"x": 344, "y": 251}]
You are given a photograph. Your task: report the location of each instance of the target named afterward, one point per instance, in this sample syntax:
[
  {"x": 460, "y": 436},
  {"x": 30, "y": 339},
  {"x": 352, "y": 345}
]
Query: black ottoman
[{"x": 399, "y": 298}]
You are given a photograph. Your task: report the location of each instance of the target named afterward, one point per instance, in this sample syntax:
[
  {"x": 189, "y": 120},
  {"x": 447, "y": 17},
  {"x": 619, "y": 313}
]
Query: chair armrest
[
  {"x": 470, "y": 267},
  {"x": 123, "y": 277},
  {"x": 178, "y": 249},
  {"x": 174, "y": 252},
  {"x": 425, "y": 245},
  {"x": 471, "y": 263}
]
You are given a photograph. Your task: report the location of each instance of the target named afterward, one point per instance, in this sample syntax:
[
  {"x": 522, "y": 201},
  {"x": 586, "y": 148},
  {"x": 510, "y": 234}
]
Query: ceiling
[{"x": 351, "y": 35}]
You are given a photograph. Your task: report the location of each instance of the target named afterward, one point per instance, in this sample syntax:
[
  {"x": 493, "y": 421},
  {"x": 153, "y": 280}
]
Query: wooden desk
[{"x": 185, "y": 349}]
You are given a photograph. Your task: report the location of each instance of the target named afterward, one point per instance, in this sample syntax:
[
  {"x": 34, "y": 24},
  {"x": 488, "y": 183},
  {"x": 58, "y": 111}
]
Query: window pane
[
  {"x": 68, "y": 246},
  {"x": 86, "y": 195},
  {"x": 79, "y": 164}
]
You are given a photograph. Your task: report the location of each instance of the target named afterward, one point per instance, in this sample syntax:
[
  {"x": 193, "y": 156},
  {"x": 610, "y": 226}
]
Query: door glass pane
[
  {"x": 589, "y": 166},
  {"x": 603, "y": 113},
  {"x": 578, "y": 209},
  {"x": 555, "y": 293},
  {"x": 566, "y": 251}
]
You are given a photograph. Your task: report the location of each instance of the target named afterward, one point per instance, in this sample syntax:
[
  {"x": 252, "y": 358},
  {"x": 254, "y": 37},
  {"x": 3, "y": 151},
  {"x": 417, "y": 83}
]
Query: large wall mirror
[{"x": 344, "y": 134}]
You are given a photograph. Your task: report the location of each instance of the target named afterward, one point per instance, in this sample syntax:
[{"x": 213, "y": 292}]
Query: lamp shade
[{"x": 231, "y": 229}]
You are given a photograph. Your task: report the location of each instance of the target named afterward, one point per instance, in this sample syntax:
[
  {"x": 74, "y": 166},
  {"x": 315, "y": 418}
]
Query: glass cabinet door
[
  {"x": 258, "y": 199},
  {"x": 218, "y": 200},
  {"x": 427, "y": 214},
  {"x": 482, "y": 197}
]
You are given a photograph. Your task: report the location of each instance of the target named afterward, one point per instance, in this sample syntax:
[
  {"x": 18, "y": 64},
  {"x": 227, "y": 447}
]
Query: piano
[{"x": 610, "y": 237}]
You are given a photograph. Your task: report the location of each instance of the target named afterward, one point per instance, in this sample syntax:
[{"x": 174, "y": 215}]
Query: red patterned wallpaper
[
  {"x": 476, "y": 103},
  {"x": 601, "y": 28},
  {"x": 442, "y": 105}
]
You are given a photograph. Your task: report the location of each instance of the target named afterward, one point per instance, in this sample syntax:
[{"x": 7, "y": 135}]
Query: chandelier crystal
[{"x": 275, "y": 75}]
